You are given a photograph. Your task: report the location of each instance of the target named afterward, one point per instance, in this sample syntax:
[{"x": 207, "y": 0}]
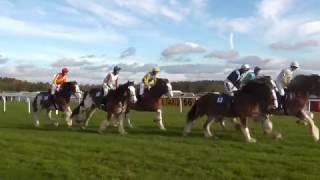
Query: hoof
[
  {"x": 123, "y": 133},
  {"x": 277, "y": 136},
  {"x": 207, "y": 135},
  {"x": 37, "y": 125},
  {"x": 100, "y": 131},
  {"x": 252, "y": 140},
  {"x": 56, "y": 124}
]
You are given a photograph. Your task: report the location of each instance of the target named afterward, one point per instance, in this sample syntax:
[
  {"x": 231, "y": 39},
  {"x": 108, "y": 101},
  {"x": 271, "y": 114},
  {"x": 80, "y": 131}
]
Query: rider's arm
[
  {"x": 107, "y": 80},
  {"x": 146, "y": 79},
  {"x": 286, "y": 77},
  {"x": 55, "y": 79}
]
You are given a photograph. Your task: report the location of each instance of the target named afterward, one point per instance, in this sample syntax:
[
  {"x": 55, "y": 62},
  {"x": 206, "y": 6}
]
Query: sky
[{"x": 188, "y": 39}]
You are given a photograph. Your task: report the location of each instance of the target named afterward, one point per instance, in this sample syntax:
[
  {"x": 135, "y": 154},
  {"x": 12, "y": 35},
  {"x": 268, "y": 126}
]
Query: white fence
[{"x": 180, "y": 102}]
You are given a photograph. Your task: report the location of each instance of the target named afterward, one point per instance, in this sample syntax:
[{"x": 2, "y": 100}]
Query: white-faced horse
[{"x": 115, "y": 104}]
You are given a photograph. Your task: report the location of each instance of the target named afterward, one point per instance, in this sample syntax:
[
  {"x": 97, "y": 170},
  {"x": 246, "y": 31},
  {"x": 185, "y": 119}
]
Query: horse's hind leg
[
  {"x": 267, "y": 126},
  {"x": 55, "y": 122},
  {"x": 120, "y": 119},
  {"x": 128, "y": 121},
  {"x": 207, "y": 125},
  {"x": 158, "y": 120},
  {"x": 68, "y": 120},
  {"x": 313, "y": 128},
  {"x": 89, "y": 116},
  {"x": 105, "y": 123},
  {"x": 221, "y": 122},
  {"x": 36, "y": 117},
  {"x": 245, "y": 130}
]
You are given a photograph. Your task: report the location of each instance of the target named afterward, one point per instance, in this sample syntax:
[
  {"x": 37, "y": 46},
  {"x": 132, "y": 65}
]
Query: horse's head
[
  {"x": 72, "y": 88},
  {"x": 309, "y": 84},
  {"x": 131, "y": 92},
  {"x": 164, "y": 87}
]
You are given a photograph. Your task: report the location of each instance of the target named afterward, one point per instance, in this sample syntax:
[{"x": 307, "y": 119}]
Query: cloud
[
  {"x": 3, "y": 59},
  {"x": 310, "y": 28},
  {"x": 128, "y": 52},
  {"x": 273, "y": 9},
  {"x": 183, "y": 49},
  {"x": 294, "y": 46},
  {"x": 89, "y": 56},
  {"x": 70, "y": 62},
  {"x": 57, "y": 31},
  {"x": 240, "y": 25},
  {"x": 227, "y": 55}
]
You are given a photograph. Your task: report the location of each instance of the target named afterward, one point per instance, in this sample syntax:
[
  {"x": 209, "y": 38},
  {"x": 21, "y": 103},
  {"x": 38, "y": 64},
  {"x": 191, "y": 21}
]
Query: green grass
[{"x": 27, "y": 152}]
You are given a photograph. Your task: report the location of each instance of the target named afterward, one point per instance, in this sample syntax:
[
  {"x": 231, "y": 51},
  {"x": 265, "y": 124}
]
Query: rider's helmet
[
  {"x": 295, "y": 65},
  {"x": 116, "y": 69},
  {"x": 155, "y": 70},
  {"x": 65, "y": 70},
  {"x": 245, "y": 67}
]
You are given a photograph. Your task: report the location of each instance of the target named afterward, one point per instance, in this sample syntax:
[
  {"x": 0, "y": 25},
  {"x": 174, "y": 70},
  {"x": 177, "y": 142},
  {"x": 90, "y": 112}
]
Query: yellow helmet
[{"x": 156, "y": 69}]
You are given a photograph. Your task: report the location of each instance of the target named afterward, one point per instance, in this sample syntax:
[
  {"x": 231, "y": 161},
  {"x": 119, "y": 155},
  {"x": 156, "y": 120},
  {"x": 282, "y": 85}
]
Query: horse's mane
[
  {"x": 162, "y": 80},
  {"x": 259, "y": 90},
  {"x": 305, "y": 83}
]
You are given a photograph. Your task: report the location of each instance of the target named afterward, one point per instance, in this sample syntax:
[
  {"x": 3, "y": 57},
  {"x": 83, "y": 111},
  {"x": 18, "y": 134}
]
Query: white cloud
[
  {"x": 241, "y": 25},
  {"x": 183, "y": 49},
  {"x": 70, "y": 62},
  {"x": 58, "y": 31},
  {"x": 227, "y": 55},
  {"x": 310, "y": 28},
  {"x": 3, "y": 59},
  {"x": 295, "y": 46},
  {"x": 128, "y": 52},
  {"x": 273, "y": 9}
]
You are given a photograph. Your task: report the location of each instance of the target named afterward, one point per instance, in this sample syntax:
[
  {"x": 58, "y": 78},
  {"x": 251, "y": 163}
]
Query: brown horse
[
  {"x": 62, "y": 101},
  {"x": 299, "y": 89},
  {"x": 115, "y": 103},
  {"x": 151, "y": 101},
  {"x": 254, "y": 100}
]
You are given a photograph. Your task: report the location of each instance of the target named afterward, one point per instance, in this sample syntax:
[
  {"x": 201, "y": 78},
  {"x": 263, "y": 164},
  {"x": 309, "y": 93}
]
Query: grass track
[{"x": 147, "y": 153}]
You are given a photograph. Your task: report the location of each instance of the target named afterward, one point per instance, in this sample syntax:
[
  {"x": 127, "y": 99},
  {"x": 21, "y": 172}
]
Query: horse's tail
[
  {"x": 34, "y": 103},
  {"x": 76, "y": 110},
  {"x": 193, "y": 113}
]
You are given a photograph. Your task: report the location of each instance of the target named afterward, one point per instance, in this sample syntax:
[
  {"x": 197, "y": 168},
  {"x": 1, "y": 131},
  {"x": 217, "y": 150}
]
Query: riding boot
[
  {"x": 284, "y": 106},
  {"x": 52, "y": 99}
]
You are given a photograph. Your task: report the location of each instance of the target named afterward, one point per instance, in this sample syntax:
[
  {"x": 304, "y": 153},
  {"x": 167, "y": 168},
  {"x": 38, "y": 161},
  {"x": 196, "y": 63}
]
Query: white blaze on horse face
[
  {"x": 133, "y": 97},
  {"x": 170, "y": 92}
]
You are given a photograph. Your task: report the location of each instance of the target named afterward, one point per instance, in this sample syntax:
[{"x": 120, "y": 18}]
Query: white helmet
[
  {"x": 245, "y": 66},
  {"x": 295, "y": 64}
]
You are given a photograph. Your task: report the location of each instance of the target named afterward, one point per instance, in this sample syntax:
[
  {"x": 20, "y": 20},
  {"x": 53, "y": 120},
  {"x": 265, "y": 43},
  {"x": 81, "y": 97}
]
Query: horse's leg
[
  {"x": 267, "y": 127},
  {"x": 207, "y": 125},
  {"x": 245, "y": 130},
  {"x": 236, "y": 123},
  {"x": 49, "y": 114},
  {"x": 221, "y": 122},
  {"x": 89, "y": 116},
  {"x": 127, "y": 120},
  {"x": 36, "y": 117},
  {"x": 158, "y": 119},
  {"x": 187, "y": 129},
  {"x": 105, "y": 123},
  {"x": 313, "y": 128},
  {"x": 68, "y": 113},
  {"x": 120, "y": 118}
]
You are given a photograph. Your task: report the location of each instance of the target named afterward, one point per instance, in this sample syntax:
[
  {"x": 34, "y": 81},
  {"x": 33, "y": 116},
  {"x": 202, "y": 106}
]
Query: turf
[{"x": 147, "y": 153}]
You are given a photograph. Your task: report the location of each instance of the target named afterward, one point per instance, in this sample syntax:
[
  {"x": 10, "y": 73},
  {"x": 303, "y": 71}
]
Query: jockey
[
  {"x": 233, "y": 81},
  {"x": 111, "y": 81},
  {"x": 284, "y": 78},
  {"x": 149, "y": 80},
  {"x": 58, "y": 80},
  {"x": 251, "y": 75}
]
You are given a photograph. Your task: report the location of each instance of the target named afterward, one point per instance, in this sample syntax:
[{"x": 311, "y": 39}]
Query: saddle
[{"x": 225, "y": 100}]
